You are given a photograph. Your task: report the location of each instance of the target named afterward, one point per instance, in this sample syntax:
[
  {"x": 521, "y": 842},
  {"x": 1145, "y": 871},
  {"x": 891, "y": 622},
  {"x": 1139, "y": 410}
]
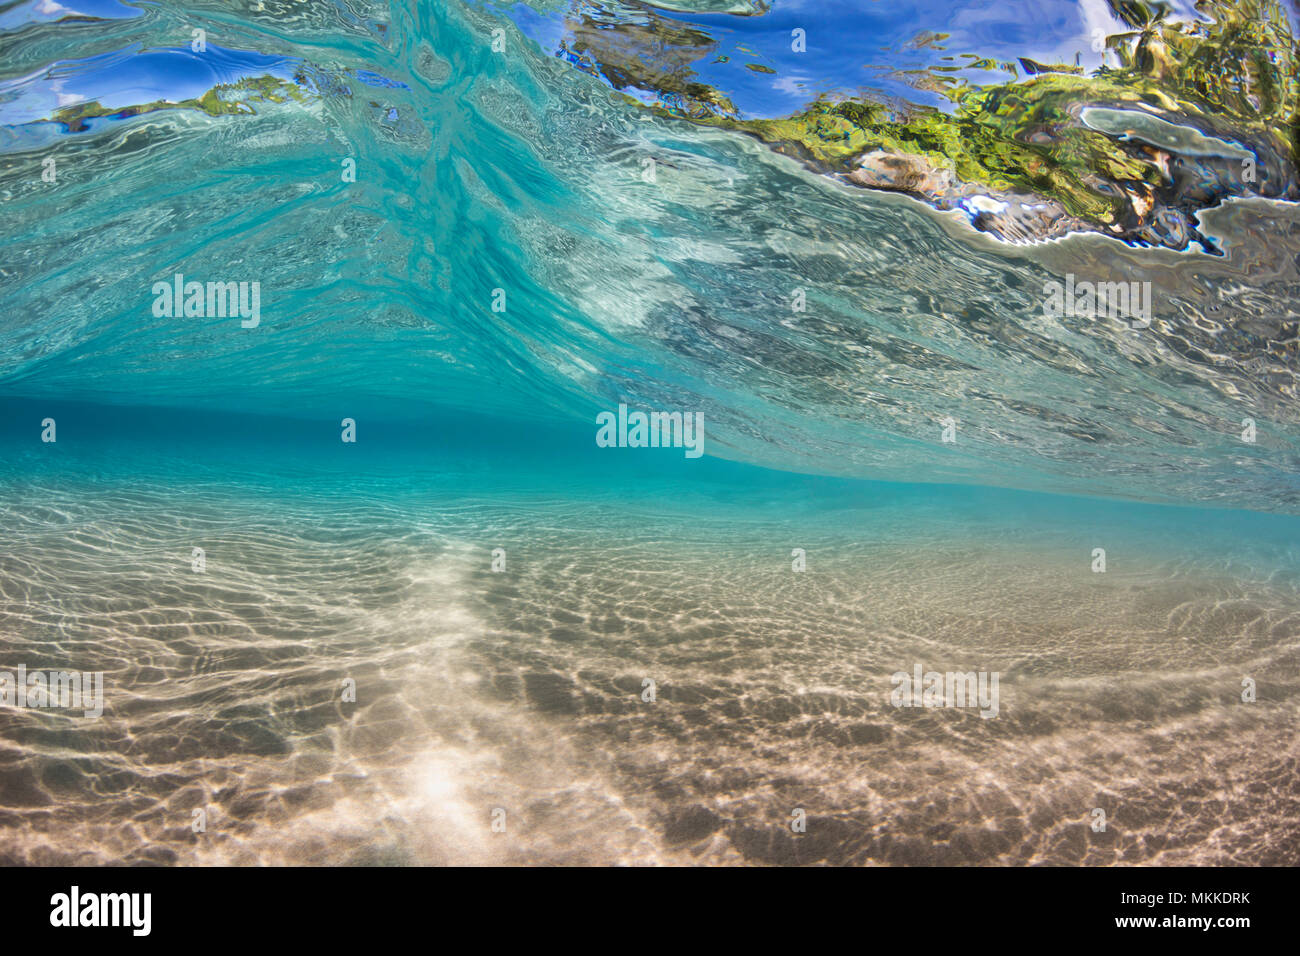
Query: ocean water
[{"x": 506, "y": 177}]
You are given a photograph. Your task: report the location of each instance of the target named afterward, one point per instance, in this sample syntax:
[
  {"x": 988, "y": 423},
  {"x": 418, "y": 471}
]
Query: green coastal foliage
[
  {"x": 1232, "y": 72},
  {"x": 223, "y": 99}
]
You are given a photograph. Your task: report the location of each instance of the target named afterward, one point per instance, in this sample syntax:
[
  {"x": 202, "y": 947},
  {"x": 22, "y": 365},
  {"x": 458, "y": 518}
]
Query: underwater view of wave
[{"x": 600, "y": 432}]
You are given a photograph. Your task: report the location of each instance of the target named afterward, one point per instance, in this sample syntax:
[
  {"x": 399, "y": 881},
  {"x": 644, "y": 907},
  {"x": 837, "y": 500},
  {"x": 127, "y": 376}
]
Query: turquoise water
[
  {"x": 521, "y": 688},
  {"x": 478, "y": 171}
]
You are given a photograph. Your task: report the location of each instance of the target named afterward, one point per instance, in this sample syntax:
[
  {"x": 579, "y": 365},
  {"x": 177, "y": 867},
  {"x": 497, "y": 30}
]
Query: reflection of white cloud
[
  {"x": 65, "y": 99},
  {"x": 1097, "y": 16},
  {"x": 790, "y": 84},
  {"x": 50, "y": 7},
  {"x": 62, "y": 98}
]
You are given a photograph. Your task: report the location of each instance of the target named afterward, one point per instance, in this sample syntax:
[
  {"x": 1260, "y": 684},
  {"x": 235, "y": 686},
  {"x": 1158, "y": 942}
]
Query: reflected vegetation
[{"x": 1015, "y": 155}]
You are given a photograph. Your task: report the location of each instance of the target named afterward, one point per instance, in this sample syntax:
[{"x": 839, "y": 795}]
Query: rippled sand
[{"x": 522, "y": 690}]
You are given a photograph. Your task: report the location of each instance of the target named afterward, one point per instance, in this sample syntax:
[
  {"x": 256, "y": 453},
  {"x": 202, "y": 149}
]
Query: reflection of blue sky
[
  {"x": 855, "y": 46},
  {"x": 132, "y": 77},
  {"x": 370, "y": 78},
  {"x": 48, "y": 11}
]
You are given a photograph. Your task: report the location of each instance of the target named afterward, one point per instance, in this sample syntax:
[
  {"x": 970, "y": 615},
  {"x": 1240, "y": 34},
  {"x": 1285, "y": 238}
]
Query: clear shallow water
[
  {"x": 521, "y": 690},
  {"x": 477, "y": 171}
]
